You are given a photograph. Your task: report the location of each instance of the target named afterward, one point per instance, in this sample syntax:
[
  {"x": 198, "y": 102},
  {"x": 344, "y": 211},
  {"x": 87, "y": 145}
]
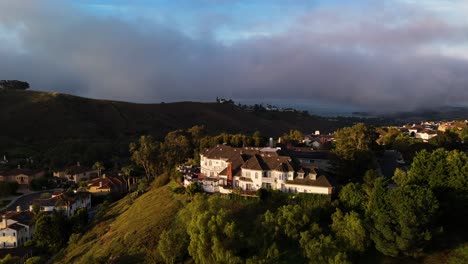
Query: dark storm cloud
[{"x": 326, "y": 55}]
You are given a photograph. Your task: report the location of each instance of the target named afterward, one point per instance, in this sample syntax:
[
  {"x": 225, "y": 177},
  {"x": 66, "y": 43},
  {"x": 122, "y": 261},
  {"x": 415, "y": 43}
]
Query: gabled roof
[
  {"x": 108, "y": 182},
  {"x": 24, "y": 217},
  {"x": 253, "y": 164}
]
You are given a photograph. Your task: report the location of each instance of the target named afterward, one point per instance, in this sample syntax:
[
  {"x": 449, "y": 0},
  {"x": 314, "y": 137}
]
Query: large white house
[
  {"x": 15, "y": 228},
  {"x": 68, "y": 203},
  {"x": 224, "y": 168}
]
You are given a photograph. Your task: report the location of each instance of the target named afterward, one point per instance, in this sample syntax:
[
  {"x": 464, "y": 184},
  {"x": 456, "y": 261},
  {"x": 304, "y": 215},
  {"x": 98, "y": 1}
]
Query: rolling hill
[{"x": 34, "y": 117}]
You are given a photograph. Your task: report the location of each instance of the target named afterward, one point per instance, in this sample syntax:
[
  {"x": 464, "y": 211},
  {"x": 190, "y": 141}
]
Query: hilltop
[{"x": 38, "y": 120}]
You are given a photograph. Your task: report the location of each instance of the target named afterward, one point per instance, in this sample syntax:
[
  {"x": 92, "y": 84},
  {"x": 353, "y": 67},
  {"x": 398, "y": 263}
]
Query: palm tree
[
  {"x": 127, "y": 173},
  {"x": 99, "y": 167}
]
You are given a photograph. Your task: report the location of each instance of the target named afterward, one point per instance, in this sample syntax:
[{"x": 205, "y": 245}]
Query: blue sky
[{"x": 358, "y": 54}]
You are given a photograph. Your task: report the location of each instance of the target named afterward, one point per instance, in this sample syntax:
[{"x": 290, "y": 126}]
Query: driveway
[{"x": 25, "y": 200}]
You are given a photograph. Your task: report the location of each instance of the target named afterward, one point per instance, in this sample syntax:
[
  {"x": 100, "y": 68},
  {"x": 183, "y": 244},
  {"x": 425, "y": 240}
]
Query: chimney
[
  {"x": 18, "y": 208},
  {"x": 4, "y": 222},
  {"x": 229, "y": 174},
  {"x": 19, "y": 166},
  {"x": 78, "y": 164},
  {"x": 100, "y": 184},
  {"x": 271, "y": 142}
]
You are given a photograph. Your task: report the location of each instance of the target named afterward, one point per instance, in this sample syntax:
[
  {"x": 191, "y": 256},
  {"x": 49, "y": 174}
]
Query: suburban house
[
  {"x": 425, "y": 134},
  {"x": 16, "y": 228},
  {"x": 76, "y": 173},
  {"x": 107, "y": 184},
  {"x": 67, "y": 202},
  {"x": 20, "y": 175},
  {"x": 318, "y": 142},
  {"x": 224, "y": 168}
]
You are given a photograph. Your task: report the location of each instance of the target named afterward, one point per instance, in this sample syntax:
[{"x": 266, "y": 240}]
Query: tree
[
  {"x": 9, "y": 259},
  {"x": 145, "y": 153},
  {"x": 448, "y": 140},
  {"x": 176, "y": 149},
  {"x": 258, "y": 139},
  {"x": 353, "y": 197},
  {"x": 402, "y": 219},
  {"x": 79, "y": 220},
  {"x": 51, "y": 231},
  {"x": 353, "y": 149},
  {"x": 193, "y": 188},
  {"x": 350, "y": 231},
  {"x": 13, "y": 85},
  {"x": 355, "y": 139},
  {"x": 127, "y": 174},
  {"x": 321, "y": 249},
  {"x": 99, "y": 167},
  {"x": 213, "y": 236},
  {"x": 173, "y": 244}
]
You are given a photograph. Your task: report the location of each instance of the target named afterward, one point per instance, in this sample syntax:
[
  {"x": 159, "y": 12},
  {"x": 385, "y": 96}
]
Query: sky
[{"x": 338, "y": 54}]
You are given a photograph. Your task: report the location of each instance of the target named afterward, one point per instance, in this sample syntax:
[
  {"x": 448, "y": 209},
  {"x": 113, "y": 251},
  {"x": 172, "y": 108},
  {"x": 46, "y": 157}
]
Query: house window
[
  {"x": 3, "y": 234},
  {"x": 256, "y": 175},
  {"x": 14, "y": 234}
]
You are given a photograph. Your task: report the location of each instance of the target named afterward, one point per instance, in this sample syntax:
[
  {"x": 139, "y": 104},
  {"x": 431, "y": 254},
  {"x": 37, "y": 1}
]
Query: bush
[
  {"x": 35, "y": 260},
  {"x": 39, "y": 183},
  {"x": 45, "y": 195},
  {"x": 161, "y": 180},
  {"x": 8, "y": 188}
]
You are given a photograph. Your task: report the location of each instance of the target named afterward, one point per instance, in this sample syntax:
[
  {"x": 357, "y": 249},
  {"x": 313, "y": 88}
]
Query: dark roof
[
  {"x": 253, "y": 164},
  {"x": 18, "y": 171},
  {"x": 311, "y": 154},
  {"x": 61, "y": 197},
  {"x": 321, "y": 181},
  {"x": 16, "y": 226},
  {"x": 24, "y": 217}
]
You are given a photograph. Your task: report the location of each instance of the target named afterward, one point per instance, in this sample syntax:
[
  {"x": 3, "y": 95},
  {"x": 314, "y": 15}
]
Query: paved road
[{"x": 25, "y": 200}]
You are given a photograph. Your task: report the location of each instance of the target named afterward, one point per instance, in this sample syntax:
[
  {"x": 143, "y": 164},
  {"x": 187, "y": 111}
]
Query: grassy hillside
[
  {"x": 52, "y": 125},
  {"x": 33, "y": 115},
  {"x": 128, "y": 232}
]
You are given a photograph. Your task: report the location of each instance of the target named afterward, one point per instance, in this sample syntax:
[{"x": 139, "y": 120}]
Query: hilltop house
[
  {"x": 16, "y": 228},
  {"x": 76, "y": 173},
  {"x": 67, "y": 202},
  {"x": 107, "y": 184},
  {"x": 224, "y": 168},
  {"x": 22, "y": 176}
]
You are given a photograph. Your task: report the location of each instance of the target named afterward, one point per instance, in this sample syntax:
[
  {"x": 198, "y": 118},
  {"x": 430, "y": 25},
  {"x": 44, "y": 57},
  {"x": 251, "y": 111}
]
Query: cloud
[{"x": 377, "y": 61}]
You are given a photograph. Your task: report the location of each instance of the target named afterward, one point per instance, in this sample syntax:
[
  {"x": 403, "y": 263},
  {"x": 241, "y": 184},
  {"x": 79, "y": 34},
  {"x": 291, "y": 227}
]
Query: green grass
[{"x": 129, "y": 231}]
